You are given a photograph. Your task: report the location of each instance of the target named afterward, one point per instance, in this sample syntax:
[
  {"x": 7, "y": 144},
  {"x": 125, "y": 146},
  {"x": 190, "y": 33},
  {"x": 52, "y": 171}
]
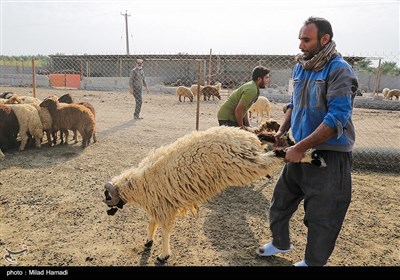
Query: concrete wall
[{"x": 24, "y": 80}]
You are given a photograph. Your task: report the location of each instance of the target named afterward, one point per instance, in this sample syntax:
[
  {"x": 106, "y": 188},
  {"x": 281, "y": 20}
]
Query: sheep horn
[{"x": 111, "y": 195}]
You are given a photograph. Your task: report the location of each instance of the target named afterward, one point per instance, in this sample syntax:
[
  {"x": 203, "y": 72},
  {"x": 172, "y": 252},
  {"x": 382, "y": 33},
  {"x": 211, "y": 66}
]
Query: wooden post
[
  {"x": 33, "y": 78},
  {"x": 198, "y": 93},
  {"x": 377, "y": 78}
]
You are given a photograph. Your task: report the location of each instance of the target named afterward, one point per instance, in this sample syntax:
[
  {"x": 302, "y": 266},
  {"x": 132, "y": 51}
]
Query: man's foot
[
  {"x": 138, "y": 117},
  {"x": 302, "y": 263},
  {"x": 270, "y": 250}
]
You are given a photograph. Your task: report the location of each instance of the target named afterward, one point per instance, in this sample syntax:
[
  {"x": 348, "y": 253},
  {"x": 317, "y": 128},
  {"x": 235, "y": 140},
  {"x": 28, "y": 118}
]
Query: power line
[{"x": 126, "y": 29}]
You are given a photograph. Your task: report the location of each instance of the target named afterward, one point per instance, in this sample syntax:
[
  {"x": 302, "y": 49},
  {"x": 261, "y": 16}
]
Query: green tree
[
  {"x": 365, "y": 65},
  {"x": 390, "y": 68}
]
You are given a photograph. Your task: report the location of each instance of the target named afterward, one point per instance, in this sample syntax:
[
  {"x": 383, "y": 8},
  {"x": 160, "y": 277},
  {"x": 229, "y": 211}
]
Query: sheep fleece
[{"x": 176, "y": 178}]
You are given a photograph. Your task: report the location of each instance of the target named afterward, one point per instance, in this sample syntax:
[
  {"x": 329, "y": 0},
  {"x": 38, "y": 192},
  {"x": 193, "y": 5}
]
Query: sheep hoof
[
  {"x": 163, "y": 259},
  {"x": 112, "y": 211},
  {"x": 148, "y": 244}
]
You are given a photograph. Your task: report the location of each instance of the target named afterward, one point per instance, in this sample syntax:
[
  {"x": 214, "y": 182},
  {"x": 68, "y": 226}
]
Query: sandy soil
[{"x": 51, "y": 198}]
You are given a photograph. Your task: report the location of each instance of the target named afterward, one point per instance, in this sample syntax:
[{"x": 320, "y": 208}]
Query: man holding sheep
[
  {"x": 319, "y": 115},
  {"x": 234, "y": 112},
  {"x": 136, "y": 81}
]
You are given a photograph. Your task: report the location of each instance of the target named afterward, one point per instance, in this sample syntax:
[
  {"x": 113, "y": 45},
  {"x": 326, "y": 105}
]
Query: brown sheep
[
  {"x": 67, "y": 98},
  {"x": 209, "y": 91},
  {"x": 393, "y": 93},
  {"x": 269, "y": 125},
  {"x": 71, "y": 117}
]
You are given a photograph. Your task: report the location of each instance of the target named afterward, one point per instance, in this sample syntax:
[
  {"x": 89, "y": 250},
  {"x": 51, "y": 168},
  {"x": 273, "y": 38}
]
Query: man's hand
[
  {"x": 277, "y": 137},
  {"x": 294, "y": 154}
]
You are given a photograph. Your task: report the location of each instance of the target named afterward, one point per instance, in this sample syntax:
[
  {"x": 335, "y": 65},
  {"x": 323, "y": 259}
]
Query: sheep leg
[
  {"x": 66, "y": 136},
  {"x": 85, "y": 141},
  {"x": 24, "y": 140},
  {"x": 94, "y": 137},
  {"x": 61, "y": 137},
  {"x": 166, "y": 230},
  {"x": 48, "y": 137},
  {"x": 151, "y": 230},
  {"x": 75, "y": 137},
  {"x": 54, "y": 134}
]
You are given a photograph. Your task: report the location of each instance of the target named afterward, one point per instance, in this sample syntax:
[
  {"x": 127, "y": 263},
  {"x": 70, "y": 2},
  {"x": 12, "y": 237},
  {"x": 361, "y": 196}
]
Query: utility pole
[{"x": 126, "y": 28}]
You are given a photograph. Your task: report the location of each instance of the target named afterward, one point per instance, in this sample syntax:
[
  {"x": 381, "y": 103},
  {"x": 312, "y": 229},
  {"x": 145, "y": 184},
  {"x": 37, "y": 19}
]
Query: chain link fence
[{"x": 376, "y": 118}]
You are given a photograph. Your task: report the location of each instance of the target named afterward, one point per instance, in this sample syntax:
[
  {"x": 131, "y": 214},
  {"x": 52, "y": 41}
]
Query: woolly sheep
[
  {"x": 12, "y": 100},
  {"x": 269, "y": 125},
  {"x": 9, "y": 128},
  {"x": 179, "y": 177},
  {"x": 209, "y": 91},
  {"x": 261, "y": 106},
  {"x": 393, "y": 93},
  {"x": 46, "y": 120},
  {"x": 30, "y": 100},
  {"x": 193, "y": 89},
  {"x": 70, "y": 116},
  {"x": 385, "y": 92},
  {"x": 67, "y": 98},
  {"x": 29, "y": 121},
  {"x": 185, "y": 92},
  {"x": 6, "y": 94},
  {"x": 1, "y": 155}
]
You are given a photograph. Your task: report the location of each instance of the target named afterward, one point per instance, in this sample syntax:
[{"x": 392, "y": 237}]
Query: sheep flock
[{"x": 27, "y": 118}]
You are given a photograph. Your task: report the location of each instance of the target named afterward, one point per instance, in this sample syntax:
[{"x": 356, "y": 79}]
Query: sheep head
[
  {"x": 66, "y": 98},
  {"x": 311, "y": 156},
  {"x": 50, "y": 103},
  {"x": 112, "y": 198},
  {"x": 279, "y": 148}
]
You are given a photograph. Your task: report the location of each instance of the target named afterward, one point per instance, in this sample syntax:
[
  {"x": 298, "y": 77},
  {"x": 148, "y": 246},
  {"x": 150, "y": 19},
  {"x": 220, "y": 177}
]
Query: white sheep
[
  {"x": 179, "y": 177},
  {"x": 261, "y": 106},
  {"x": 12, "y": 100},
  {"x": 385, "y": 92},
  {"x": 30, "y": 100},
  {"x": 1, "y": 155},
  {"x": 29, "y": 121},
  {"x": 185, "y": 92},
  {"x": 193, "y": 89},
  {"x": 46, "y": 120}
]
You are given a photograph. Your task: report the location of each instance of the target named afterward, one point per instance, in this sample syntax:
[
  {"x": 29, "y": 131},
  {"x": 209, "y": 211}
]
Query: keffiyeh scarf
[{"x": 318, "y": 61}]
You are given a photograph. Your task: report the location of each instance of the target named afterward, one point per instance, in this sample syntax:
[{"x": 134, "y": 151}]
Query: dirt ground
[{"x": 51, "y": 198}]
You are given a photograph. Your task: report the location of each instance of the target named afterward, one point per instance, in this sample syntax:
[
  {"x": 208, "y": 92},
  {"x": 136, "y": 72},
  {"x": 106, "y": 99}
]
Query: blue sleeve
[{"x": 340, "y": 97}]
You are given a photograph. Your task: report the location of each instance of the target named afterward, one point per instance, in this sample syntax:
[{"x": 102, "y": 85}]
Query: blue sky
[{"x": 227, "y": 27}]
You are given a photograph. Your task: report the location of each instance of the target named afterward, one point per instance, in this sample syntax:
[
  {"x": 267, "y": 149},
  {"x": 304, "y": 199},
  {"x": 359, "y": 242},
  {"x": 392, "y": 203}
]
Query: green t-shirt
[{"x": 246, "y": 94}]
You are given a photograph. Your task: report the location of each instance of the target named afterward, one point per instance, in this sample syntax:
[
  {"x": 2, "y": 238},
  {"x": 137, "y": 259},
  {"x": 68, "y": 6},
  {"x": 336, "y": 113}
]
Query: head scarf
[{"x": 319, "y": 60}]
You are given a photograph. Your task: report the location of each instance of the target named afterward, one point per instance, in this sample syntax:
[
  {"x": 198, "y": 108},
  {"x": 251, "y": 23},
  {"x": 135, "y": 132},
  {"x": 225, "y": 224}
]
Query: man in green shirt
[{"x": 234, "y": 111}]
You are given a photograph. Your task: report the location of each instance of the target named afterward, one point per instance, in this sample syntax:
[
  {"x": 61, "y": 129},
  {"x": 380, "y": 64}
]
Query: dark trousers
[
  {"x": 138, "y": 102},
  {"x": 227, "y": 123},
  {"x": 326, "y": 193}
]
